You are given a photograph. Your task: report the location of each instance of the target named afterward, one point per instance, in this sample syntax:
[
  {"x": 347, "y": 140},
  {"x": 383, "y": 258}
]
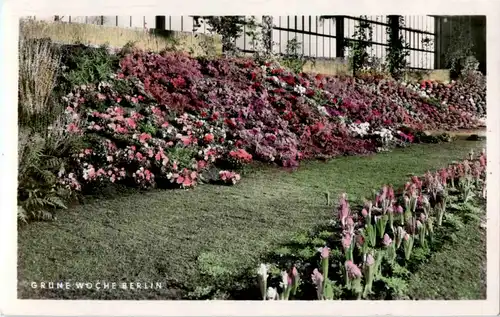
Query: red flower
[{"x": 209, "y": 138}]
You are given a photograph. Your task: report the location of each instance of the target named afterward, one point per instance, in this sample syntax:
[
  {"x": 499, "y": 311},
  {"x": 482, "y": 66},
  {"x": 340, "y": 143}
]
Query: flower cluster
[
  {"x": 166, "y": 116},
  {"x": 389, "y": 226}
]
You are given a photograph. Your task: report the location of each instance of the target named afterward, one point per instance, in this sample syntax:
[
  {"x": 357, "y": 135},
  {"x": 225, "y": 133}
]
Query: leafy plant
[
  {"x": 362, "y": 38},
  {"x": 293, "y": 59},
  {"x": 87, "y": 65},
  {"x": 39, "y": 192},
  {"x": 397, "y": 49}
]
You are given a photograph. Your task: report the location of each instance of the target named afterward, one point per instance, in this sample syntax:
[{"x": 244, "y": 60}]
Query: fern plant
[{"x": 38, "y": 191}]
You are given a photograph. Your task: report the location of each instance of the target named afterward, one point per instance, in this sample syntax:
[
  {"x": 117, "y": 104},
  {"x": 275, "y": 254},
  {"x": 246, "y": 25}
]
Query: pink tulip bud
[
  {"x": 346, "y": 241},
  {"x": 399, "y": 210},
  {"x": 406, "y": 237},
  {"x": 387, "y": 240},
  {"x": 350, "y": 222},
  {"x": 390, "y": 209},
  {"x": 390, "y": 192},
  {"x": 364, "y": 212},
  {"x": 317, "y": 278},
  {"x": 325, "y": 253},
  {"x": 294, "y": 272},
  {"x": 353, "y": 270},
  {"x": 423, "y": 217},
  {"x": 369, "y": 259}
]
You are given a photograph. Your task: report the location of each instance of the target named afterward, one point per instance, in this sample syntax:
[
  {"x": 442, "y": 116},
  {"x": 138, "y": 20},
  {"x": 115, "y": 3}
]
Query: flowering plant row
[
  {"x": 174, "y": 120},
  {"x": 384, "y": 232}
]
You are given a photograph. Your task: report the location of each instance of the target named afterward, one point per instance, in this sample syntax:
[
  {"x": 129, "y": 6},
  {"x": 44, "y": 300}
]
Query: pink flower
[
  {"x": 353, "y": 270},
  {"x": 144, "y": 137},
  {"x": 346, "y": 241},
  {"x": 72, "y": 128},
  {"x": 131, "y": 123},
  {"x": 364, "y": 212},
  {"x": 387, "y": 240},
  {"x": 423, "y": 217},
  {"x": 349, "y": 222},
  {"x": 317, "y": 278},
  {"x": 325, "y": 253},
  {"x": 186, "y": 140},
  {"x": 369, "y": 259},
  {"x": 399, "y": 209}
]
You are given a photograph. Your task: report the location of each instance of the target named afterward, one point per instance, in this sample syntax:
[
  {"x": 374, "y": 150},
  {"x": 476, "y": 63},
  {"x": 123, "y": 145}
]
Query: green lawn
[
  {"x": 457, "y": 271},
  {"x": 182, "y": 237}
]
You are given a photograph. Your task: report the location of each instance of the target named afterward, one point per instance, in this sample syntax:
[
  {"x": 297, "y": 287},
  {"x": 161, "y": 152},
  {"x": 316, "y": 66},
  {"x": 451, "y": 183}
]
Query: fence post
[
  {"x": 160, "y": 22},
  {"x": 339, "y": 36},
  {"x": 437, "y": 42},
  {"x": 394, "y": 25}
]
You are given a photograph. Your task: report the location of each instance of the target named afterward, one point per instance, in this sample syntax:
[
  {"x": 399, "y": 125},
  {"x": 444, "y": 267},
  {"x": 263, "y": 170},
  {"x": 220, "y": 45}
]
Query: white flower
[
  {"x": 323, "y": 110},
  {"x": 262, "y": 271},
  {"x": 284, "y": 279},
  {"x": 272, "y": 293},
  {"x": 299, "y": 89}
]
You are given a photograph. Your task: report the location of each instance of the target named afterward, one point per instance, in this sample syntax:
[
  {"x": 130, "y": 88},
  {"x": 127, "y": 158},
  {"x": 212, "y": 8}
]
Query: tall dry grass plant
[{"x": 39, "y": 66}]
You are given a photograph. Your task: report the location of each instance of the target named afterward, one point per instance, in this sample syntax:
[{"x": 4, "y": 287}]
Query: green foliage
[
  {"x": 453, "y": 221},
  {"x": 184, "y": 156},
  {"x": 363, "y": 34},
  {"x": 460, "y": 47},
  {"x": 395, "y": 286},
  {"x": 147, "y": 128},
  {"x": 39, "y": 194},
  {"x": 293, "y": 59},
  {"x": 228, "y": 27},
  {"x": 87, "y": 65}
]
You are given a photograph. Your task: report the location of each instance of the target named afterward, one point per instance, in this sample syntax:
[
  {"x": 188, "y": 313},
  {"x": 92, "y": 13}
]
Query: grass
[
  {"x": 189, "y": 239},
  {"x": 464, "y": 256},
  {"x": 156, "y": 41}
]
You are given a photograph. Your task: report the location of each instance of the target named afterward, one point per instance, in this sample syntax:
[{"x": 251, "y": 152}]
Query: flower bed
[
  {"x": 364, "y": 252},
  {"x": 168, "y": 119}
]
